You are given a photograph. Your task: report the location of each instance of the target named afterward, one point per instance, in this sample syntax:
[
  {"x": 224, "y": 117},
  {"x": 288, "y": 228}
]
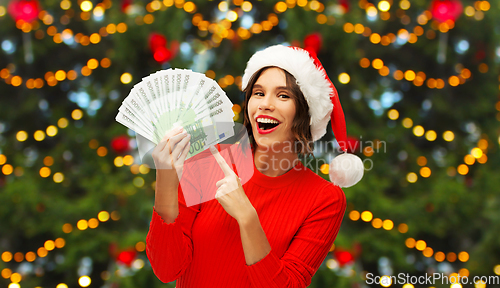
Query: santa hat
[{"x": 322, "y": 99}]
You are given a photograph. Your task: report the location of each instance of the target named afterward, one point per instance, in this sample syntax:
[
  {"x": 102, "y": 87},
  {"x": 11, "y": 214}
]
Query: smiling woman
[{"x": 276, "y": 229}]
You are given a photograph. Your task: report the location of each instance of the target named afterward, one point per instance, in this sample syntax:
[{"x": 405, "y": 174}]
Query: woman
[{"x": 277, "y": 228}]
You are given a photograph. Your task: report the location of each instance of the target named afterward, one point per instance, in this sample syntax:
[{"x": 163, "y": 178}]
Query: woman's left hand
[{"x": 230, "y": 193}]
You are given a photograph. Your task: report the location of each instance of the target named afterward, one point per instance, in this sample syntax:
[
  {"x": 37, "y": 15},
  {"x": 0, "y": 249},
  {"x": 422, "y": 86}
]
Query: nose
[{"x": 266, "y": 103}]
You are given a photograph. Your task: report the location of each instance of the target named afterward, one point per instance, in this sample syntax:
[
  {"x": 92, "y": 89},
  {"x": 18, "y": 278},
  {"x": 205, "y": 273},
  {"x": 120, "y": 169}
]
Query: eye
[
  {"x": 258, "y": 93},
  {"x": 283, "y": 96}
]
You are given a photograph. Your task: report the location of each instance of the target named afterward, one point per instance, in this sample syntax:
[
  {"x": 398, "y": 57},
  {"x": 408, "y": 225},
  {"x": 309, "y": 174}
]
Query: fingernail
[{"x": 180, "y": 129}]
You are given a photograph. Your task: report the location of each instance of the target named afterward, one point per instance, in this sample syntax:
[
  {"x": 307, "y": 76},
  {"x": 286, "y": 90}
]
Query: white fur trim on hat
[{"x": 313, "y": 82}]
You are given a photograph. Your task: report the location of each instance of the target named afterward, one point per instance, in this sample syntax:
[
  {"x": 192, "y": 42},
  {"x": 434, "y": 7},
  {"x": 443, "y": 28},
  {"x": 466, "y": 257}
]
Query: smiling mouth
[{"x": 267, "y": 126}]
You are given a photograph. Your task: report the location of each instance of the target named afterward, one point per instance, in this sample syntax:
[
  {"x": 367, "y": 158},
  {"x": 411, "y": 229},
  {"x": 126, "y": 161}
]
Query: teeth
[{"x": 267, "y": 120}]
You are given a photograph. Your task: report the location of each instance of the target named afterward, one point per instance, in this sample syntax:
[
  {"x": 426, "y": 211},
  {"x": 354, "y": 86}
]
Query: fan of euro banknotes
[{"x": 177, "y": 97}]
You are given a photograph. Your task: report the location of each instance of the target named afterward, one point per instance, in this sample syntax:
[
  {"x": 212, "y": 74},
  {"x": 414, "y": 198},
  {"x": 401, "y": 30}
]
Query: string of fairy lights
[{"x": 222, "y": 30}]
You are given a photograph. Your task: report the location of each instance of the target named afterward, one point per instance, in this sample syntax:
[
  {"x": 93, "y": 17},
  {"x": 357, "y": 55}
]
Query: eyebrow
[{"x": 279, "y": 87}]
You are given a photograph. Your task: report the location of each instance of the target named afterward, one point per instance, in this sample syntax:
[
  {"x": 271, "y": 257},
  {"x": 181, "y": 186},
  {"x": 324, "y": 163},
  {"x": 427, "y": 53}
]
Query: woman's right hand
[{"x": 172, "y": 151}]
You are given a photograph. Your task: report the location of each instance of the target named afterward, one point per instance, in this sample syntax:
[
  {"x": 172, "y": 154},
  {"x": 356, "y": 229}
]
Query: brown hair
[{"x": 300, "y": 125}]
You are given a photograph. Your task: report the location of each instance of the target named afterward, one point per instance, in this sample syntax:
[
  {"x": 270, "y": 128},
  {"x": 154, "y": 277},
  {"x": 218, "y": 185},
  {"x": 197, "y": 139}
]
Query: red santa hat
[{"x": 322, "y": 99}]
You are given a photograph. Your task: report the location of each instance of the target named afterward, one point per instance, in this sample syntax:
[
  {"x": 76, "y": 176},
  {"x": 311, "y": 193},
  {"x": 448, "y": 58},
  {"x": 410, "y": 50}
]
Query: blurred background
[{"x": 418, "y": 81}]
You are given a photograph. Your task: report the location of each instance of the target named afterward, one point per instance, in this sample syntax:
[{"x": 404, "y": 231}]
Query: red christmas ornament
[
  {"x": 345, "y": 4},
  {"x": 127, "y": 257},
  {"x": 120, "y": 144},
  {"x": 445, "y": 10},
  {"x": 162, "y": 55},
  {"x": 313, "y": 42},
  {"x": 343, "y": 257},
  {"x": 125, "y": 4},
  {"x": 26, "y": 10},
  {"x": 156, "y": 41}
]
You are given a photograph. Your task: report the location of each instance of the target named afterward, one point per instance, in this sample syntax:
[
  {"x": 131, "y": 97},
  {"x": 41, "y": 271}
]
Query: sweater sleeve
[
  {"x": 308, "y": 248},
  {"x": 169, "y": 247}
]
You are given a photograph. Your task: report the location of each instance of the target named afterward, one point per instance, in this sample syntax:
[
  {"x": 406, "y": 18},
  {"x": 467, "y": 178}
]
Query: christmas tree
[{"x": 419, "y": 85}]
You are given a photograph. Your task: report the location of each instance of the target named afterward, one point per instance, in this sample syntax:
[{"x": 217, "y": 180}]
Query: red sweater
[{"x": 299, "y": 211}]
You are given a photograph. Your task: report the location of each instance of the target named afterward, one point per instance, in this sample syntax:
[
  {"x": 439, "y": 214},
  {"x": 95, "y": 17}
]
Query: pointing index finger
[{"x": 221, "y": 161}]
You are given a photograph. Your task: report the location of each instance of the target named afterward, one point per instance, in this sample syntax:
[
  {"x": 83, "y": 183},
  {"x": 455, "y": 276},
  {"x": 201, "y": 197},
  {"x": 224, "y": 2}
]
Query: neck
[{"x": 274, "y": 161}]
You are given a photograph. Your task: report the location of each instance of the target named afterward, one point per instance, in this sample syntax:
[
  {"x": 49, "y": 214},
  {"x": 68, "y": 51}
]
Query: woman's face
[{"x": 271, "y": 110}]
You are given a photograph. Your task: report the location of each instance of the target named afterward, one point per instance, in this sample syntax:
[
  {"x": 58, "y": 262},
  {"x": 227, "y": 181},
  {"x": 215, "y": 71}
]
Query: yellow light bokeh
[
  {"x": 84, "y": 281},
  {"x": 476, "y": 152},
  {"x": 325, "y": 168},
  {"x": 384, "y": 6},
  {"x": 388, "y": 224},
  {"x": 448, "y": 136},
  {"x": 344, "y": 78},
  {"x": 377, "y": 63},
  {"x": 30, "y": 256},
  {"x": 103, "y": 216},
  {"x": 418, "y": 131},
  {"x": 246, "y": 6},
  {"x": 77, "y": 114},
  {"x": 439, "y": 256},
  {"x": 451, "y": 257},
  {"x": 45, "y": 172},
  {"x": 6, "y": 272},
  {"x": 7, "y": 169},
  {"x": 410, "y": 75},
  {"x": 366, "y": 216},
  {"x": 420, "y": 245},
  {"x": 428, "y": 252},
  {"x": 86, "y": 6},
  {"x": 425, "y": 172},
  {"x": 60, "y": 242},
  {"x": 462, "y": 169},
  {"x": 140, "y": 246},
  {"x": 496, "y": 269},
  {"x": 126, "y": 78},
  {"x": 393, "y": 114},
  {"x": 61, "y": 285},
  {"x": 407, "y": 123},
  {"x": 364, "y": 62},
  {"x": 62, "y": 123},
  {"x": 411, "y": 177},
  {"x": 402, "y": 228},
  {"x": 39, "y": 135},
  {"x": 377, "y": 223},
  {"x": 354, "y": 215},
  {"x": 49, "y": 245},
  {"x": 93, "y": 223},
  {"x": 21, "y": 136},
  {"x": 469, "y": 159},
  {"x": 348, "y": 27},
  {"x": 58, "y": 177},
  {"x": 92, "y": 63},
  {"x": 6, "y": 256},
  {"x": 67, "y": 228},
  {"x": 463, "y": 256},
  {"x": 51, "y": 131},
  {"x": 42, "y": 252},
  {"x": 15, "y": 278},
  {"x": 410, "y": 242},
  {"x": 280, "y": 7},
  {"x": 82, "y": 224},
  {"x": 430, "y": 135},
  {"x": 102, "y": 151}
]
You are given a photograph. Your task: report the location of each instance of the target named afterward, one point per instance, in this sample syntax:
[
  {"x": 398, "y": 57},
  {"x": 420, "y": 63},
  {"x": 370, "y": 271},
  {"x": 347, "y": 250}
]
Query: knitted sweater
[{"x": 299, "y": 211}]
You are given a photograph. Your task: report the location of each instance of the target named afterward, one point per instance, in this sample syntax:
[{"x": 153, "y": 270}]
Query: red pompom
[
  {"x": 445, "y": 10},
  {"x": 26, "y": 10},
  {"x": 120, "y": 144},
  {"x": 127, "y": 257}
]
